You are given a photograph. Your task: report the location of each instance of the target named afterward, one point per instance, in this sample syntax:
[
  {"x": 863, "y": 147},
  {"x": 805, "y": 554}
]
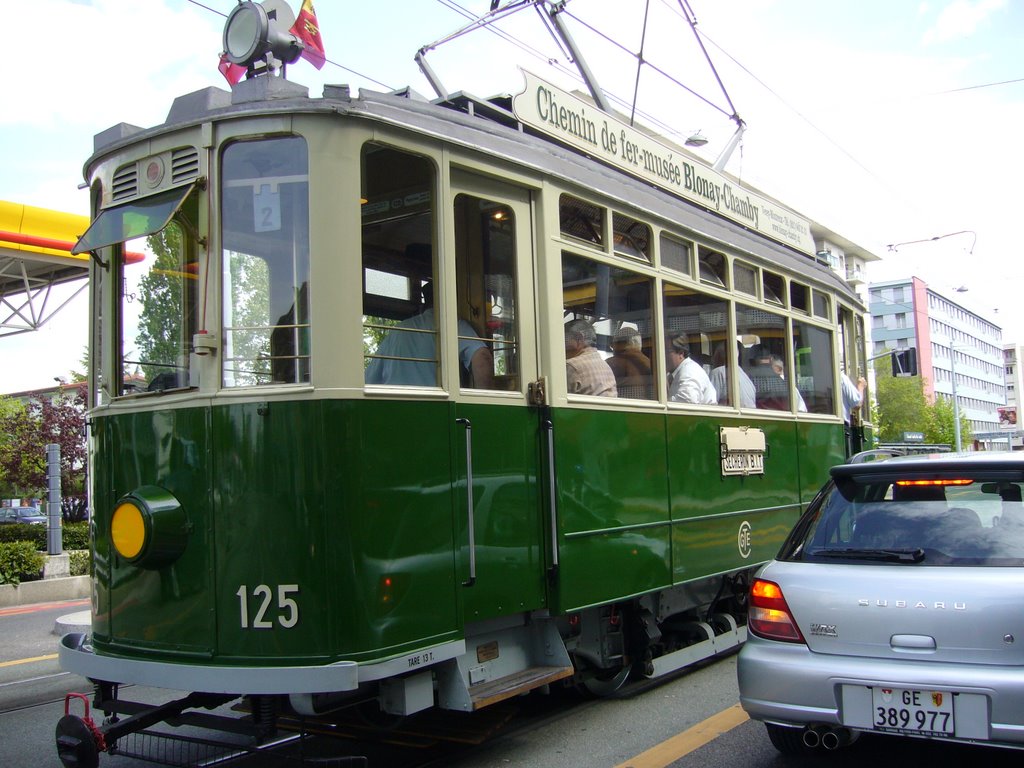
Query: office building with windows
[{"x": 958, "y": 350}]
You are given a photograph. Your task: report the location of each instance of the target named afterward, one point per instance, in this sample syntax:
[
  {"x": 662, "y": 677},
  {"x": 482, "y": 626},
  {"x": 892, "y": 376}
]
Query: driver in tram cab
[
  {"x": 408, "y": 354},
  {"x": 586, "y": 372}
]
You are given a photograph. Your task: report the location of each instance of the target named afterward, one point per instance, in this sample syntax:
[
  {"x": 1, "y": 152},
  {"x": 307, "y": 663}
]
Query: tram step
[{"x": 491, "y": 692}]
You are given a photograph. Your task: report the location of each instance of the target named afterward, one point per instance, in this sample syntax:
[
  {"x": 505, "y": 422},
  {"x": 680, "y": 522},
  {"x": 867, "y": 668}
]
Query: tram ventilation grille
[
  {"x": 184, "y": 164},
  {"x": 126, "y": 182}
]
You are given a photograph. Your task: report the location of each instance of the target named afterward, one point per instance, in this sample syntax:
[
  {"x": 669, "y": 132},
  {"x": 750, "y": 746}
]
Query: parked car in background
[
  {"x": 24, "y": 515},
  {"x": 895, "y": 606}
]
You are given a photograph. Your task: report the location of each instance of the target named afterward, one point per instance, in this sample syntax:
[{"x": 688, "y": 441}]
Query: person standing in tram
[
  {"x": 688, "y": 382},
  {"x": 586, "y": 372}
]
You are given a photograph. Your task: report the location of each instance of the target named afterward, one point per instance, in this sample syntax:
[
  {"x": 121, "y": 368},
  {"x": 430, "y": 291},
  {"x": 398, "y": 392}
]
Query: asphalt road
[{"x": 689, "y": 722}]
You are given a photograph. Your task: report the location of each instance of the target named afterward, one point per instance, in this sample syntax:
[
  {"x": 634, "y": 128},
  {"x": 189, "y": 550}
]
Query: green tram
[{"x": 289, "y": 507}]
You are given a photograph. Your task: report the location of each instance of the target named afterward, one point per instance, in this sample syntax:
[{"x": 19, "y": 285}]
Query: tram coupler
[{"x": 79, "y": 740}]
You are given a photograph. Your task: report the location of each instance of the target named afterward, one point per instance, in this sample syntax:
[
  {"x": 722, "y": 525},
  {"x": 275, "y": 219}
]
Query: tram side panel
[
  {"x": 612, "y": 512},
  {"x": 821, "y": 447},
  {"x": 509, "y": 529},
  {"x": 724, "y": 523}
]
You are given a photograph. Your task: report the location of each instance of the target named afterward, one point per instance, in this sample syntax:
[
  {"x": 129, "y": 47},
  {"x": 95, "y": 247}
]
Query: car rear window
[{"x": 913, "y": 521}]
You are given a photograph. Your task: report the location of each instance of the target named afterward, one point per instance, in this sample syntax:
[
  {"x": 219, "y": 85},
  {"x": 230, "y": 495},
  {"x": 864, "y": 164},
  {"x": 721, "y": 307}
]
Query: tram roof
[{"x": 488, "y": 126}]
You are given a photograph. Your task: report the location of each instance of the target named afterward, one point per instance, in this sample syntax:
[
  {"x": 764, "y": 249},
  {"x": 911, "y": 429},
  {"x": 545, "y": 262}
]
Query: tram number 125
[{"x": 286, "y": 611}]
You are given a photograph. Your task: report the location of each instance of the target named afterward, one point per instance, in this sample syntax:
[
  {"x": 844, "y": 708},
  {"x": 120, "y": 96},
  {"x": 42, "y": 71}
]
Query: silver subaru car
[{"x": 895, "y": 606}]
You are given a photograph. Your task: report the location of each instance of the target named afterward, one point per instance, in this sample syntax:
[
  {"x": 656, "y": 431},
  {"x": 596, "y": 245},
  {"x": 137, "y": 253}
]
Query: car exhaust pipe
[
  {"x": 811, "y": 738},
  {"x": 837, "y": 738}
]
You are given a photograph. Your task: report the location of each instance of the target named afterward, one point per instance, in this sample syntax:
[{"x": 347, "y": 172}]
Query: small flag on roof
[{"x": 307, "y": 30}]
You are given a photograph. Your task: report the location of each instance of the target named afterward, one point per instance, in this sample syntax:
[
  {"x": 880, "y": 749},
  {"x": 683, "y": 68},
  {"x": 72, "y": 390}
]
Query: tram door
[{"x": 494, "y": 430}]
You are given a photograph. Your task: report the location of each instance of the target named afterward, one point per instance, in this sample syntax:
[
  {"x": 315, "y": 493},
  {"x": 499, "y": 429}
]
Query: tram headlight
[
  {"x": 149, "y": 528},
  {"x": 250, "y": 33}
]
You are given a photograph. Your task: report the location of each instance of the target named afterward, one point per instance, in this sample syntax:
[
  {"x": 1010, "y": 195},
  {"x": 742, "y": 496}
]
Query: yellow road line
[
  {"x": 682, "y": 744},
  {"x": 47, "y": 657}
]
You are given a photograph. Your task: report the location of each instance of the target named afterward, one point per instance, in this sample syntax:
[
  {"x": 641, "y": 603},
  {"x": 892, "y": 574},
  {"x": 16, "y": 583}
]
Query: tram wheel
[{"x": 603, "y": 682}]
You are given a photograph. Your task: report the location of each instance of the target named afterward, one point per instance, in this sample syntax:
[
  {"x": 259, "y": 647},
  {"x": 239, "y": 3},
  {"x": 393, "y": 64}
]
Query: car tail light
[
  {"x": 948, "y": 481},
  {"x": 769, "y": 615}
]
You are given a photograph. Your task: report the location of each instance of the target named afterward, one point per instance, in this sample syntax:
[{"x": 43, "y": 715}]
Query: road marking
[
  {"x": 682, "y": 744},
  {"x": 47, "y": 657},
  {"x": 22, "y": 609}
]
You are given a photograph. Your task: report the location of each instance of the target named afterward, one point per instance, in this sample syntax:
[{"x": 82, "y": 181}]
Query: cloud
[{"x": 960, "y": 19}]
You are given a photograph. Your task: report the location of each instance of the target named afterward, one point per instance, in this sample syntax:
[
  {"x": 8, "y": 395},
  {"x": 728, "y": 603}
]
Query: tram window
[
  {"x": 815, "y": 366},
  {"x": 631, "y": 237},
  {"x": 400, "y": 342},
  {"x": 485, "y": 264},
  {"x": 822, "y": 305},
  {"x": 608, "y": 330},
  {"x": 799, "y": 297},
  {"x": 774, "y": 292},
  {"x": 764, "y": 356},
  {"x": 676, "y": 254},
  {"x": 159, "y": 299},
  {"x": 265, "y": 236},
  {"x": 581, "y": 220},
  {"x": 702, "y": 321},
  {"x": 712, "y": 267},
  {"x": 744, "y": 279}
]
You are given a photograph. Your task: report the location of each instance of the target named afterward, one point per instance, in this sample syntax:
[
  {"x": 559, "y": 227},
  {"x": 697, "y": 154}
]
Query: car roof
[{"x": 973, "y": 462}]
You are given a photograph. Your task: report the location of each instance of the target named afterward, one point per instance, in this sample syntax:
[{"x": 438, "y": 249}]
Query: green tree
[
  {"x": 164, "y": 292},
  {"x": 901, "y": 406},
  {"x": 26, "y": 432},
  {"x": 940, "y": 427}
]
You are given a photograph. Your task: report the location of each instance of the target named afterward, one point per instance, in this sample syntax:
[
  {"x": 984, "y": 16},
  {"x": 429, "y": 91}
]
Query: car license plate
[{"x": 909, "y": 711}]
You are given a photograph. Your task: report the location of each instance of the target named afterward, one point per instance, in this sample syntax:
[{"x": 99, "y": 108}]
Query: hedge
[
  {"x": 74, "y": 535},
  {"x": 20, "y": 560},
  {"x": 78, "y": 562}
]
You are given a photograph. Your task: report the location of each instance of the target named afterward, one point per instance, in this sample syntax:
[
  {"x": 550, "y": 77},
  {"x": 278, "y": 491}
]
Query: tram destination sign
[{"x": 570, "y": 119}]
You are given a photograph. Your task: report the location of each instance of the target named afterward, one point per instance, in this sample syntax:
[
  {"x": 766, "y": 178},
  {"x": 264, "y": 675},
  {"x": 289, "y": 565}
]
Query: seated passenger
[
  {"x": 780, "y": 369},
  {"x": 630, "y": 365},
  {"x": 408, "y": 354},
  {"x": 720, "y": 381},
  {"x": 772, "y": 389},
  {"x": 586, "y": 372},
  {"x": 688, "y": 383}
]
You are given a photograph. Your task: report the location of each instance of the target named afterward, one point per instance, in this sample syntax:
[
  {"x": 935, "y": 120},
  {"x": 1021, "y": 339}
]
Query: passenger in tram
[
  {"x": 772, "y": 389},
  {"x": 720, "y": 379},
  {"x": 688, "y": 383},
  {"x": 630, "y": 365},
  {"x": 586, "y": 372},
  {"x": 408, "y": 354},
  {"x": 779, "y": 367},
  {"x": 852, "y": 395}
]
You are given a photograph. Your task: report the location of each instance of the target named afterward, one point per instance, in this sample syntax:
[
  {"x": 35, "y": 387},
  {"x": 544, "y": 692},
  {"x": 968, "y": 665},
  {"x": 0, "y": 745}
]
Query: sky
[{"x": 886, "y": 122}]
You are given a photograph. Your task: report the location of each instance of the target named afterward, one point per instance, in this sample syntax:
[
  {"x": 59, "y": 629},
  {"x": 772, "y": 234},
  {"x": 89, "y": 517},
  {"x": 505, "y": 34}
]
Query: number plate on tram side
[{"x": 908, "y": 711}]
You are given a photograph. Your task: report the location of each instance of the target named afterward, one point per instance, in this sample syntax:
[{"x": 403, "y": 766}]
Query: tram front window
[
  {"x": 159, "y": 297},
  {"x": 265, "y": 220}
]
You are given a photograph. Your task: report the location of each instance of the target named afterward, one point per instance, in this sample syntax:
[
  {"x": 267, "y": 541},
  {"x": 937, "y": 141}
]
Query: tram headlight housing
[
  {"x": 250, "y": 33},
  {"x": 149, "y": 528}
]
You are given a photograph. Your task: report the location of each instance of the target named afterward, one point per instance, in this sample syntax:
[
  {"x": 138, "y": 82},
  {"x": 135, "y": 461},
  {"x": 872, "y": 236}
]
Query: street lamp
[{"x": 956, "y": 405}]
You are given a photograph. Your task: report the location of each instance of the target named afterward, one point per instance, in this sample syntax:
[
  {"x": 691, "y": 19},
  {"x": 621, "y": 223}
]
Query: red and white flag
[
  {"x": 232, "y": 72},
  {"x": 307, "y": 30}
]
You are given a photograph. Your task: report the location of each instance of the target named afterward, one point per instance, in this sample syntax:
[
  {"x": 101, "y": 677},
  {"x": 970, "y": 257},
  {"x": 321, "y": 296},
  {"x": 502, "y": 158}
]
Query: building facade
[{"x": 958, "y": 350}]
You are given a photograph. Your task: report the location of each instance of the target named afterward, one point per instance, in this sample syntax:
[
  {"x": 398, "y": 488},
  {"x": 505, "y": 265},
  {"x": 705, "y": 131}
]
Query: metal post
[
  {"x": 54, "y": 537},
  {"x": 956, "y": 405}
]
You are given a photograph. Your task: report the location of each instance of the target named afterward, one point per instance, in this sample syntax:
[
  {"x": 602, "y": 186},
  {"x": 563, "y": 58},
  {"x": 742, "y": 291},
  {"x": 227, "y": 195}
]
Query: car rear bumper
[{"x": 785, "y": 683}]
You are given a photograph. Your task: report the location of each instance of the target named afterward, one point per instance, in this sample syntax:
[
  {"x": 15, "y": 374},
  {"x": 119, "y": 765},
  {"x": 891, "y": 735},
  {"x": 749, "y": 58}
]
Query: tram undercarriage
[{"x": 595, "y": 650}]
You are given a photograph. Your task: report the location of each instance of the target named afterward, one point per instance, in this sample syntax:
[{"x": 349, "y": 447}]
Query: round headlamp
[
  {"x": 250, "y": 33},
  {"x": 149, "y": 528}
]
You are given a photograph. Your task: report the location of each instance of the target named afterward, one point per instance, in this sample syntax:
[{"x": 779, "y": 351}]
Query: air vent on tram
[
  {"x": 184, "y": 164},
  {"x": 126, "y": 182}
]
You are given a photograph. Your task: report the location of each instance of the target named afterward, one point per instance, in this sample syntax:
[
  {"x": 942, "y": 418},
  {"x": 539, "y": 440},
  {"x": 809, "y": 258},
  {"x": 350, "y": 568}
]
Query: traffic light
[{"x": 904, "y": 362}]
